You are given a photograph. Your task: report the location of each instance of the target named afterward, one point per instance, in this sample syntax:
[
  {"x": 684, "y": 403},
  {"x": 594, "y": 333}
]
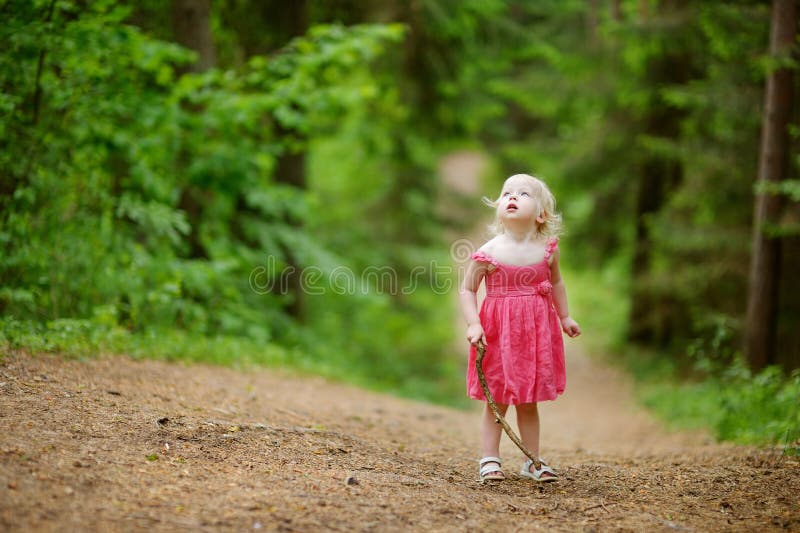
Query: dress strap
[
  {"x": 483, "y": 257},
  {"x": 552, "y": 244}
]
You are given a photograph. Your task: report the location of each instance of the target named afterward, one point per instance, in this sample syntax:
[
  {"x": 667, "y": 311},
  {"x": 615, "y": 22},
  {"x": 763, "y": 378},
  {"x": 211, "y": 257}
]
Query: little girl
[{"x": 521, "y": 319}]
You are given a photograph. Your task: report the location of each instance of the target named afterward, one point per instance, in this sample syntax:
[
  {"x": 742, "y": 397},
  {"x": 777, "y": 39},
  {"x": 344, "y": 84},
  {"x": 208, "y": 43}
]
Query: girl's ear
[{"x": 542, "y": 217}]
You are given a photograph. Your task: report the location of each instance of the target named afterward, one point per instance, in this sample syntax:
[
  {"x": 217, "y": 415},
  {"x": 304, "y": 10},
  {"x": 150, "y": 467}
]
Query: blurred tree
[
  {"x": 290, "y": 21},
  {"x": 97, "y": 222},
  {"x": 774, "y": 164},
  {"x": 191, "y": 27},
  {"x": 191, "y": 24},
  {"x": 653, "y": 314}
]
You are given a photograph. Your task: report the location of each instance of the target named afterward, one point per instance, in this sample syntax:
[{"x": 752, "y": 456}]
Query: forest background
[{"x": 174, "y": 176}]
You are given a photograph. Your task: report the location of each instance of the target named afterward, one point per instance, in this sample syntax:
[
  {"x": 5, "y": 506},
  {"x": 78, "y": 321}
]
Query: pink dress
[{"x": 524, "y": 359}]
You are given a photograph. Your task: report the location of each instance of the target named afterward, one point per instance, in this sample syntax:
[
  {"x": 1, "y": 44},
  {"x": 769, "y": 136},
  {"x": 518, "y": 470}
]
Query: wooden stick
[
  {"x": 601, "y": 504},
  {"x": 499, "y": 417}
]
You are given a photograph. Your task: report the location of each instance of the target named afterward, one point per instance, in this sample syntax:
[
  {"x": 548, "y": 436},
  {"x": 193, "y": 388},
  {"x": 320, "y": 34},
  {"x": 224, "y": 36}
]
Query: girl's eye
[
  {"x": 506, "y": 194},
  {"x": 524, "y": 194}
]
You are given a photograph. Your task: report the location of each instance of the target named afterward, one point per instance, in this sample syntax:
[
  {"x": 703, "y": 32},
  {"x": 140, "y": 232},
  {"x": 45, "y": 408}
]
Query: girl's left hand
[{"x": 570, "y": 327}]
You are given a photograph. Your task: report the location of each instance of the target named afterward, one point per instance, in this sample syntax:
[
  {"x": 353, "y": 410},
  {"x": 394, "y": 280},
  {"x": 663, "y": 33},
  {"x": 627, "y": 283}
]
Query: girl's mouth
[{"x": 511, "y": 207}]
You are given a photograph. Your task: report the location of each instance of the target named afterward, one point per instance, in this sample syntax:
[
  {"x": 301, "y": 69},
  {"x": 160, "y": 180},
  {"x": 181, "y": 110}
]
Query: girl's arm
[
  {"x": 569, "y": 326},
  {"x": 468, "y": 298}
]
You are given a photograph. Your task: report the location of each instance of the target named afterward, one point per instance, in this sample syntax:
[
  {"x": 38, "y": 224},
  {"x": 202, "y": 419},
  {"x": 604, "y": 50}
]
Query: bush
[
  {"x": 736, "y": 405},
  {"x": 760, "y": 408}
]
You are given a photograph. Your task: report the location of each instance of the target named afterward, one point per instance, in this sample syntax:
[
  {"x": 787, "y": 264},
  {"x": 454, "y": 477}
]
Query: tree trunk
[
  {"x": 191, "y": 24},
  {"x": 650, "y": 316},
  {"x": 290, "y": 168},
  {"x": 616, "y": 10},
  {"x": 593, "y": 22},
  {"x": 787, "y": 341},
  {"x": 759, "y": 342}
]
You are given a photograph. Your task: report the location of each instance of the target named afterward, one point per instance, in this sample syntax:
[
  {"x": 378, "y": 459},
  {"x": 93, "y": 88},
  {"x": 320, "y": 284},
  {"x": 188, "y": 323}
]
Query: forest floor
[{"x": 114, "y": 444}]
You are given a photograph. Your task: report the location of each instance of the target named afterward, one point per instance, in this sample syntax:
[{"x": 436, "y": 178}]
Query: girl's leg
[
  {"x": 528, "y": 423},
  {"x": 490, "y": 431}
]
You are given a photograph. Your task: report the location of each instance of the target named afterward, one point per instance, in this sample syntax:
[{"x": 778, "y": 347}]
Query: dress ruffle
[{"x": 483, "y": 257}]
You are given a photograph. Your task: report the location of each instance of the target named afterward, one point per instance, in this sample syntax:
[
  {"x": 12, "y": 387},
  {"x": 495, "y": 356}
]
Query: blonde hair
[{"x": 545, "y": 203}]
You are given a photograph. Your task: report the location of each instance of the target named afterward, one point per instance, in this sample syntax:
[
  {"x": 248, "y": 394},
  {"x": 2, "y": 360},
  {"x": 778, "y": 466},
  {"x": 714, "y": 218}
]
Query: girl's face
[{"x": 517, "y": 201}]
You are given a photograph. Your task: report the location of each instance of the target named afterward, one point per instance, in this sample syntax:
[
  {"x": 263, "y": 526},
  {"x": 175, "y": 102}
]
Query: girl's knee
[
  {"x": 528, "y": 408},
  {"x": 502, "y": 407}
]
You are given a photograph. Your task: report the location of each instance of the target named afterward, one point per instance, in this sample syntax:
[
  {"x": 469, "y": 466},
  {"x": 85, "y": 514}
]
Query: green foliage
[
  {"x": 761, "y": 407},
  {"x": 137, "y": 201},
  {"x": 87, "y": 337},
  {"x": 738, "y": 406}
]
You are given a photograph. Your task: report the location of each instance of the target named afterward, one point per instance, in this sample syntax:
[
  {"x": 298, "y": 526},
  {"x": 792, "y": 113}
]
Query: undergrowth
[{"x": 735, "y": 404}]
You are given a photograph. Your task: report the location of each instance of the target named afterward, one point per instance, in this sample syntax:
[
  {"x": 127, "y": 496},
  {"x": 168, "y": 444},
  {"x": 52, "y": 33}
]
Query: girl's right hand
[
  {"x": 475, "y": 334},
  {"x": 570, "y": 327}
]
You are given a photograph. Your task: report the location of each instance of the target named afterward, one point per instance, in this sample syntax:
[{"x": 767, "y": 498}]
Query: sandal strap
[
  {"x": 490, "y": 460},
  {"x": 544, "y": 469},
  {"x": 537, "y": 472},
  {"x": 489, "y": 465},
  {"x": 490, "y": 469},
  {"x": 529, "y": 462}
]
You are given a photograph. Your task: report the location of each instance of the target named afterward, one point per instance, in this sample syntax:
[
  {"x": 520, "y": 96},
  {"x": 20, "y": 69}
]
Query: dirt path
[{"x": 115, "y": 444}]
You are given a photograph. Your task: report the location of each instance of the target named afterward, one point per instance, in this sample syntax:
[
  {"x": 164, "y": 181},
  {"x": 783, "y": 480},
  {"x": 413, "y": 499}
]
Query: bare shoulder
[
  {"x": 485, "y": 257},
  {"x": 490, "y": 246}
]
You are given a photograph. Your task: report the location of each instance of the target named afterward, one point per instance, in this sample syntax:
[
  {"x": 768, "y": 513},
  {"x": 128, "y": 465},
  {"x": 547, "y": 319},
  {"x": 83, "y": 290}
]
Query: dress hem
[{"x": 482, "y": 398}]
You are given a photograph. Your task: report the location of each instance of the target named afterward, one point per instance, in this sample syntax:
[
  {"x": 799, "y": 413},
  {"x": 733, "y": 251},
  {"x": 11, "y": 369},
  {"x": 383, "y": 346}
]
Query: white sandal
[
  {"x": 490, "y": 469},
  {"x": 538, "y": 474}
]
